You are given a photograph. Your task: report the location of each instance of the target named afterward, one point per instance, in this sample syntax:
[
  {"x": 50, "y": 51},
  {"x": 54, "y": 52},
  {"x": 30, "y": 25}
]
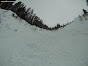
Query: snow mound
[{"x": 24, "y": 45}]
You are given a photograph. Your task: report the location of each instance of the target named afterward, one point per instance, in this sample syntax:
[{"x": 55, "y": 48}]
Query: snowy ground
[
  {"x": 56, "y": 11},
  {"x": 24, "y": 45}
]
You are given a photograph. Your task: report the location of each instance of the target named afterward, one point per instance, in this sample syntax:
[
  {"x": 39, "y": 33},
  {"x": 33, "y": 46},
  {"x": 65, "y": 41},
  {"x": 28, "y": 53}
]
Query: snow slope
[{"x": 24, "y": 45}]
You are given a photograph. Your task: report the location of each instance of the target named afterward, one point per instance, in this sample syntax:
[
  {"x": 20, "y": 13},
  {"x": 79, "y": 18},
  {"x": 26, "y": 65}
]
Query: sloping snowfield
[{"x": 24, "y": 45}]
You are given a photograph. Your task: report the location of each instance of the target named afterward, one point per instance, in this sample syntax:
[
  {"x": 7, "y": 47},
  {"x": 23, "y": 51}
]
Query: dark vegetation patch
[{"x": 28, "y": 15}]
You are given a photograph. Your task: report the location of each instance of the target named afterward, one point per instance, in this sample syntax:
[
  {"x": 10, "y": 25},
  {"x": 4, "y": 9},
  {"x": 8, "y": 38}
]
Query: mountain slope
[
  {"x": 56, "y": 11},
  {"x": 24, "y": 45}
]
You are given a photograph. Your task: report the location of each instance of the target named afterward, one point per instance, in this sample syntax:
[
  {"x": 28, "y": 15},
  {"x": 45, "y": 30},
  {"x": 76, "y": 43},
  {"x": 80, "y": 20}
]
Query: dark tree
[
  {"x": 16, "y": 6},
  {"x": 85, "y": 12}
]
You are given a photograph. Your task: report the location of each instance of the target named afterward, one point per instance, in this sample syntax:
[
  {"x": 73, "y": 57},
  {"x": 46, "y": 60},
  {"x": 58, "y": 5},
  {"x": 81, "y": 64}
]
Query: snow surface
[
  {"x": 56, "y": 11},
  {"x": 24, "y": 45}
]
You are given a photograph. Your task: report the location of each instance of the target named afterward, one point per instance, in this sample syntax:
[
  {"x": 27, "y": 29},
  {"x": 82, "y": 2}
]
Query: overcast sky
[{"x": 56, "y": 11}]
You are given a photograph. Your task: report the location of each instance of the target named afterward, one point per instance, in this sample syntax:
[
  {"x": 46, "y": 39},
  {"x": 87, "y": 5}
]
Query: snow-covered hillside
[
  {"x": 24, "y": 45},
  {"x": 56, "y": 11}
]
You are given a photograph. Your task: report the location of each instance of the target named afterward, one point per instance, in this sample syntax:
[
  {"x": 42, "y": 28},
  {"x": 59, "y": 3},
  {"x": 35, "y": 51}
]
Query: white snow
[
  {"x": 56, "y": 11},
  {"x": 24, "y": 45}
]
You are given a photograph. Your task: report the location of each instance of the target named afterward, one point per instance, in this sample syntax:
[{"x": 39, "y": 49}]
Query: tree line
[{"x": 29, "y": 16}]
